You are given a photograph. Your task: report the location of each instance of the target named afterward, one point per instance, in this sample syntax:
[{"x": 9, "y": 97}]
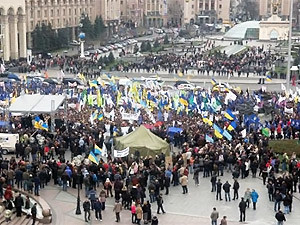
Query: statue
[{"x": 275, "y": 7}]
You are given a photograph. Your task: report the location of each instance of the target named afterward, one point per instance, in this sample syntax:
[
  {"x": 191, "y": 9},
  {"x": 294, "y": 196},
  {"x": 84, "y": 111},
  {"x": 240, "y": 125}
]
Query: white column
[
  {"x": 13, "y": 31},
  {"x": 22, "y": 35},
  {"x": 6, "y": 44}
]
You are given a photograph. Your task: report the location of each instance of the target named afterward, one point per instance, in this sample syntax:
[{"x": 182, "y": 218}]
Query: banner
[
  {"x": 129, "y": 116},
  {"x": 121, "y": 153}
]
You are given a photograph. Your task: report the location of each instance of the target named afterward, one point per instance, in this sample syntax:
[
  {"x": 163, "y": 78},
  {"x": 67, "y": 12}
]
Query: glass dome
[{"x": 245, "y": 30}]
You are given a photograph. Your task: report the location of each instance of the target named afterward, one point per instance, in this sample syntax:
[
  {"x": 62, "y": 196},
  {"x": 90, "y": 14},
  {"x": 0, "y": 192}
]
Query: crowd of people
[{"x": 218, "y": 134}]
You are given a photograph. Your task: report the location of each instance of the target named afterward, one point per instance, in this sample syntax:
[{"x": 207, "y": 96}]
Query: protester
[
  {"x": 254, "y": 197},
  {"x": 242, "y": 207},
  {"x": 214, "y": 216},
  {"x": 87, "y": 210},
  {"x": 280, "y": 217},
  {"x": 117, "y": 209}
]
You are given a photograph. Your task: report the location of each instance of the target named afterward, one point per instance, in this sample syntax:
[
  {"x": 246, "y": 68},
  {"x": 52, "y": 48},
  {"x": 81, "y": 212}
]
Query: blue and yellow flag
[
  {"x": 97, "y": 150},
  {"x": 208, "y": 121},
  {"x": 183, "y": 102},
  {"x": 213, "y": 81},
  {"x": 231, "y": 126},
  {"x": 40, "y": 124},
  {"x": 93, "y": 158},
  {"x": 229, "y": 115},
  {"x": 268, "y": 78},
  {"x": 100, "y": 117},
  {"x": 218, "y": 131}
]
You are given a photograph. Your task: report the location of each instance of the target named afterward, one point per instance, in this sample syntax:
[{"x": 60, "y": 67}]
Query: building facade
[
  {"x": 175, "y": 12},
  {"x": 155, "y": 13},
  {"x": 12, "y": 29},
  {"x": 59, "y": 13},
  {"x": 213, "y": 11},
  {"x": 132, "y": 12},
  {"x": 266, "y": 8},
  {"x": 110, "y": 11}
]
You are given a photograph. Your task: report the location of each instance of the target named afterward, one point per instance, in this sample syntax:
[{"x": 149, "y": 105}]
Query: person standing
[
  {"x": 278, "y": 199},
  {"x": 33, "y": 213},
  {"x": 19, "y": 202},
  {"x": 160, "y": 202},
  {"x": 184, "y": 181},
  {"x": 219, "y": 188},
  {"x": 280, "y": 217},
  {"x": 224, "y": 220},
  {"x": 133, "y": 212},
  {"x": 139, "y": 214},
  {"x": 226, "y": 188},
  {"x": 98, "y": 208},
  {"x": 235, "y": 188},
  {"x": 213, "y": 181},
  {"x": 117, "y": 209},
  {"x": 242, "y": 207},
  {"x": 87, "y": 210},
  {"x": 154, "y": 220},
  {"x": 214, "y": 216},
  {"x": 254, "y": 197},
  {"x": 247, "y": 197}
]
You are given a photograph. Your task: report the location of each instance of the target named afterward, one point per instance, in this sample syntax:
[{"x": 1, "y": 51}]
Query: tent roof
[
  {"x": 142, "y": 138},
  {"x": 36, "y": 103}
]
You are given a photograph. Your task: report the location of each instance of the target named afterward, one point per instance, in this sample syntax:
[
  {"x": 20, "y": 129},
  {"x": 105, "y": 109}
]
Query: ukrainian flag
[
  {"x": 93, "y": 83},
  {"x": 208, "y": 121},
  {"x": 100, "y": 117},
  {"x": 183, "y": 102},
  {"x": 40, "y": 124},
  {"x": 218, "y": 131},
  {"x": 213, "y": 81},
  {"x": 218, "y": 134},
  {"x": 93, "y": 158},
  {"x": 268, "y": 78},
  {"x": 97, "y": 150},
  {"x": 229, "y": 115},
  {"x": 231, "y": 126}
]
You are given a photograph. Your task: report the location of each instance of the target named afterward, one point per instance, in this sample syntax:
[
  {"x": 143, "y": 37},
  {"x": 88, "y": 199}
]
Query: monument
[{"x": 274, "y": 28}]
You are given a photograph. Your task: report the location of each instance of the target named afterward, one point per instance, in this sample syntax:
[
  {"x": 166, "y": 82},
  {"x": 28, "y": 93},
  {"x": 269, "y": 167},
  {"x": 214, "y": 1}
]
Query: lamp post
[
  {"x": 288, "y": 74},
  {"x": 78, "y": 210}
]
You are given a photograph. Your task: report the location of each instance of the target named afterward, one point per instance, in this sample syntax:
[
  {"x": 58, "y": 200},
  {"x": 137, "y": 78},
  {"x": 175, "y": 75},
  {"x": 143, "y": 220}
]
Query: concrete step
[{"x": 21, "y": 220}]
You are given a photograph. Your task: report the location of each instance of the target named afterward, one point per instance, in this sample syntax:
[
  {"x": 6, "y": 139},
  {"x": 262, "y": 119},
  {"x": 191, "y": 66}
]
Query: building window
[
  {"x": 121, "y": 2},
  {"x": 57, "y": 22},
  {"x": 220, "y": 6},
  {"x": 38, "y": 13},
  {"x": 52, "y": 12},
  {"x": 70, "y": 11},
  {"x": 45, "y": 12},
  {"x": 31, "y": 13},
  {"x": 58, "y": 12},
  {"x": 75, "y": 12},
  {"x": 31, "y": 25}
]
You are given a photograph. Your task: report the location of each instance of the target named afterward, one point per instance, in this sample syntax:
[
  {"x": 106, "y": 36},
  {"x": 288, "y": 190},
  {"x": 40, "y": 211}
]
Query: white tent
[{"x": 37, "y": 103}]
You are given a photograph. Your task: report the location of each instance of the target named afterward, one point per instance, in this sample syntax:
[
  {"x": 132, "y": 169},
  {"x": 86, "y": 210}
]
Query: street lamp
[{"x": 78, "y": 210}]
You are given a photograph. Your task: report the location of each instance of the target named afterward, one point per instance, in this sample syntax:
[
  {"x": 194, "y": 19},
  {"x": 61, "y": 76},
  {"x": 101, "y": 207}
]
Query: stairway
[{"x": 23, "y": 220}]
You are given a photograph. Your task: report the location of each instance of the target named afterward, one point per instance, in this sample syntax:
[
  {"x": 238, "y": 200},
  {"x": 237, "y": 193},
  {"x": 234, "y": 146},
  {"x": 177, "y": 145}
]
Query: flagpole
[{"x": 288, "y": 74}]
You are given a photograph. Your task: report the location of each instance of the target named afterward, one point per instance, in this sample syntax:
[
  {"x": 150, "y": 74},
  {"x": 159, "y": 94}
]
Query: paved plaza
[{"x": 193, "y": 208}]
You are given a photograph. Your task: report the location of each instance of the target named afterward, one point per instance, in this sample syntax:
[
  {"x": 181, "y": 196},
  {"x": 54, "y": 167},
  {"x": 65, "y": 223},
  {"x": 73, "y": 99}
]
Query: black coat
[
  {"x": 280, "y": 216},
  {"x": 242, "y": 206},
  {"x": 19, "y": 202}
]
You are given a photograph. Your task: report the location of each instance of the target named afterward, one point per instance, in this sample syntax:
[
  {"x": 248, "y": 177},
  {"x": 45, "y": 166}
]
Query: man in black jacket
[
  {"x": 280, "y": 217},
  {"x": 219, "y": 189},
  {"x": 87, "y": 210},
  {"x": 226, "y": 188},
  {"x": 235, "y": 188},
  {"x": 242, "y": 207},
  {"x": 19, "y": 202}
]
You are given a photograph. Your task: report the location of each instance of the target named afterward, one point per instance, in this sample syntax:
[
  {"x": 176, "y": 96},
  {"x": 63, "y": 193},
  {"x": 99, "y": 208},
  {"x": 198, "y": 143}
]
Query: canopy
[
  {"x": 144, "y": 141},
  {"x": 36, "y": 103}
]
